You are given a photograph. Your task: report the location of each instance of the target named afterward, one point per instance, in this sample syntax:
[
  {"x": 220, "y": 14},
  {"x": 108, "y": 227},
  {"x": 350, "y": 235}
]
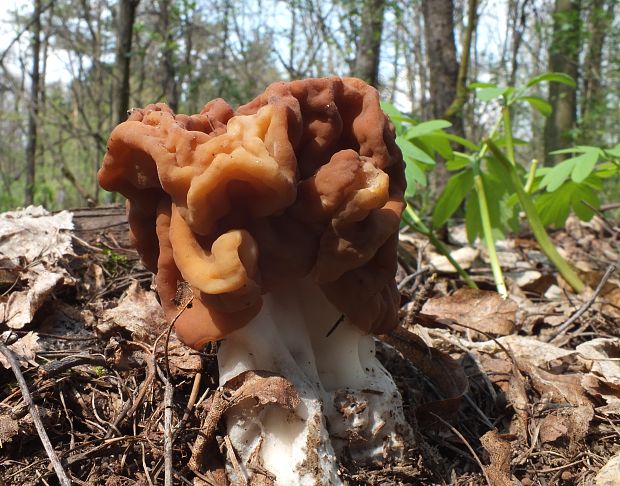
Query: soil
[{"x": 499, "y": 392}]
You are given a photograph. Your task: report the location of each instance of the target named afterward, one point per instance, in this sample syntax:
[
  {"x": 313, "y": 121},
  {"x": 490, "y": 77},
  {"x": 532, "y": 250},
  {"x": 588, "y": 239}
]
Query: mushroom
[{"x": 283, "y": 219}]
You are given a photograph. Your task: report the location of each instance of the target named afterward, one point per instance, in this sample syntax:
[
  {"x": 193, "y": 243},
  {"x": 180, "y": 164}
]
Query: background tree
[
  {"x": 125, "y": 21},
  {"x": 563, "y": 57},
  {"x": 33, "y": 108},
  {"x": 368, "y": 52},
  {"x": 95, "y": 61}
]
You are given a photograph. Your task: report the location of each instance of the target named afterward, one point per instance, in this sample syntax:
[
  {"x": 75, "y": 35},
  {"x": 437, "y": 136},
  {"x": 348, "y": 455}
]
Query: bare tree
[
  {"x": 168, "y": 19},
  {"x": 563, "y": 57},
  {"x": 600, "y": 18},
  {"x": 124, "y": 35},
  {"x": 368, "y": 53},
  {"x": 31, "y": 144},
  {"x": 441, "y": 56}
]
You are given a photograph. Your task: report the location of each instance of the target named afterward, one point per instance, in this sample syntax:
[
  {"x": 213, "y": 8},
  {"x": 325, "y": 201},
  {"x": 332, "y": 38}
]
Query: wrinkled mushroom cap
[{"x": 306, "y": 179}]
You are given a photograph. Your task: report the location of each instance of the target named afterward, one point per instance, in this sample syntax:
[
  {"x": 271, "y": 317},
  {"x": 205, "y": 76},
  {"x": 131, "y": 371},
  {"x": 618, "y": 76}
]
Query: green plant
[{"x": 493, "y": 185}]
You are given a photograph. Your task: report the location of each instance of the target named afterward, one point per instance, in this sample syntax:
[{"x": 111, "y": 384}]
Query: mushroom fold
[{"x": 304, "y": 181}]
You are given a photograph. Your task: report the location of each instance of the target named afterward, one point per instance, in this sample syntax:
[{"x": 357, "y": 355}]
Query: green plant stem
[
  {"x": 531, "y": 175},
  {"x": 536, "y": 224},
  {"x": 510, "y": 148},
  {"x": 441, "y": 248},
  {"x": 488, "y": 236}
]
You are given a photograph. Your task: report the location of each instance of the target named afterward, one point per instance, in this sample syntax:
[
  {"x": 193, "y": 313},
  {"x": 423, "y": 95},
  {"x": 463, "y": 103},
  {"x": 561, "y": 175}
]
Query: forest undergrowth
[{"x": 524, "y": 390}]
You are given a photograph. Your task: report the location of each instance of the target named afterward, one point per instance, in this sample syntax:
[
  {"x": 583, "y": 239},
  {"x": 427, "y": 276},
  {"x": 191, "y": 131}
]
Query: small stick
[
  {"x": 471, "y": 449},
  {"x": 168, "y": 433},
  {"x": 560, "y": 330},
  {"x": 130, "y": 407},
  {"x": 36, "y": 418}
]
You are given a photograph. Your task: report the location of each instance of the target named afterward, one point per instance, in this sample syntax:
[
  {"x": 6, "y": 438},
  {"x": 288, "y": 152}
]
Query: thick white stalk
[{"x": 350, "y": 408}]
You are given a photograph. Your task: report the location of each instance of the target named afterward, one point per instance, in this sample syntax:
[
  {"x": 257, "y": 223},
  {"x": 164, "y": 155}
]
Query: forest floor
[{"x": 502, "y": 392}]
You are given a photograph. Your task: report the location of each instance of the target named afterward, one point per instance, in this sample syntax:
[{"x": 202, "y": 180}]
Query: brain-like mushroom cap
[{"x": 306, "y": 179}]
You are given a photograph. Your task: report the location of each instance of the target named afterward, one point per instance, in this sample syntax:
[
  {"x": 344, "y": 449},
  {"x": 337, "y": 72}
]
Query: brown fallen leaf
[
  {"x": 182, "y": 359},
  {"x": 498, "y": 449},
  {"x": 25, "y": 349},
  {"x": 610, "y": 473},
  {"x": 552, "y": 428},
  {"x": 446, "y": 374},
  {"x": 481, "y": 310},
  {"x": 602, "y": 355},
  {"x": 35, "y": 234},
  {"x": 9, "y": 428},
  {"x": 562, "y": 397},
  {"x": 137, "y": 312},
  {"x": 260, "y": 386},
  {"x": 20, "y": 307}
]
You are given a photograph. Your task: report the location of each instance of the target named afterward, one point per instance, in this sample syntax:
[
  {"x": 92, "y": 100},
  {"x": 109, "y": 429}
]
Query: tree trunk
[
  {"x": 599, "y": 20},
  {"x": 368, "y": 52},
  {"x": 441, "y": 53},
  {"x": 563, "y": 57},
  {"x": 443, "y": 69},
  {"x": 171, "y": 87},
  {"x": 453, "y": 112},
  {"x": 124, "y": 36},
  {"x": 31, "y": 144}
]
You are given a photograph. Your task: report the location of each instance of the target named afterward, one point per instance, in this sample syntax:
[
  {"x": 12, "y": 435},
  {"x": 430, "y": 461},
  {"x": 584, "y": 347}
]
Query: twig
[
  {"x": 130, "y": 407},
  {"x": 561, "y": 329},
  {"x": 36, "y": 418},
  {"x": 58, "y": 366},
  {"x": 168, "y": 433},
  {"x": 610, "y": 206},
  {"x": 471, "y": 449}
]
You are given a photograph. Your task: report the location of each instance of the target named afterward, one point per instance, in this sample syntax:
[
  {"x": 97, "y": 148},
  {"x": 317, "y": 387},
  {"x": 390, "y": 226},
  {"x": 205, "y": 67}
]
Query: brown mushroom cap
[{"x": 304, "y": 179}]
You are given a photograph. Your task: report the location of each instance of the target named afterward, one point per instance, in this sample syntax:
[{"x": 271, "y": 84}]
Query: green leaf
[
  {"x": 396, "y": 116},
  {"x": 453, "y": 194},
  {"x": 581, "y": 195},
  {"x": 552, "y": 77},
  {"x": 577, "y": 149},
  {"x": 606, "y": 170},
  {"x": 460, "y": 140},
  {"x": 557, "y": 175},
  {"x": 414, "y": 175},
  {"x": 472, "y": 218},
  {"x": 584, "y": 164},
  {"x": 434, "y": 143},
  {"x": 459, "y": 162},
  {"x": 425, "y": 128},
  {"x": 540, "y": 105},
  {"x": 555, "y": 207},
  {"x": 482, "y": 85},
  {"x": 614, "y": 151},
  {"x": 413, "y": 152},
  {"x": 487, "y": 94}
]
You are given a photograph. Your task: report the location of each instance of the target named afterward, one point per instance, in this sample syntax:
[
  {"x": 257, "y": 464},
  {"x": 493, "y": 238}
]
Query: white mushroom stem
[{"x": 350, "y": 408}]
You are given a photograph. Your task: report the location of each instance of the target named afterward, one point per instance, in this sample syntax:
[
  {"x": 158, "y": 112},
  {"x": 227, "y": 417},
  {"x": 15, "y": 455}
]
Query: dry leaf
[
  {"x": 464, "y": 257},
  {"x": 25, "y": 349},
  {"x": 609, "y": 475},
  {"x": 446, "y": 373},
  {"x": 261, "y": 386},
  {"x": 33, "y": 233},
  {"x": 563, "y": 397},
  {"x": 499, "y": 455},
  {"x": 534, "y": 351},
  {"x": 9, "y": 427},
  {"x": 20, "y": 307},
  {"x": 552, "y": 428},
  {"x": 603, "y": 356},
  {"x": 481, "y": 310},
  {"x": 183, "y": 360},
  {"x": 137, "y": 312}
]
